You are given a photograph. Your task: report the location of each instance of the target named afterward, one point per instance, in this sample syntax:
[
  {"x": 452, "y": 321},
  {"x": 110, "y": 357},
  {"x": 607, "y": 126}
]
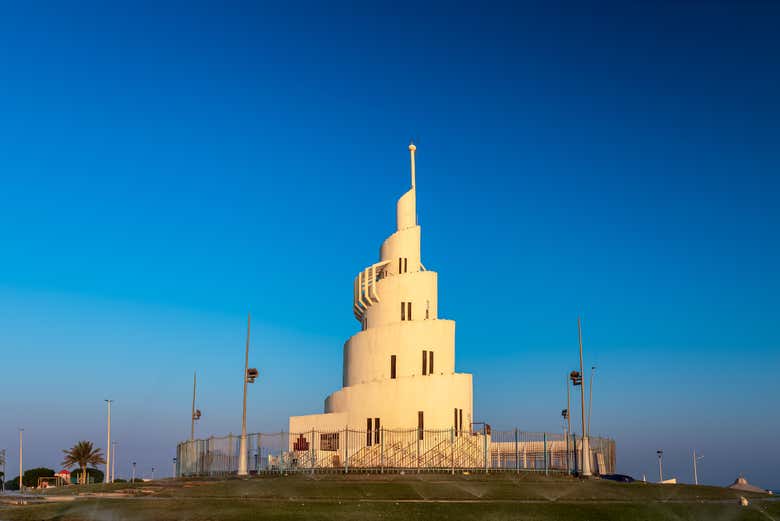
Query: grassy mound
[{"x": 392, "y": 496}]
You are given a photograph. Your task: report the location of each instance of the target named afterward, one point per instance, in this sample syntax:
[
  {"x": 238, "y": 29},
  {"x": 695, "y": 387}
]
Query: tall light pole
[
  {"x": 195, "y": 412},
  {"x": 5, "y": 473},
  {"x": 566, "y": 413},
  {"x": 249, "y": 377},
  {"x": 568, "y": 407},
  {"x": 107, "y": 477},
  {"x": 132, "y": 480},
  {"x": 695, "y": 467},
  {"x": 660, "y": 465},
  {"x": 20, "y": 459},
  {"x": 585, "y": 447}
]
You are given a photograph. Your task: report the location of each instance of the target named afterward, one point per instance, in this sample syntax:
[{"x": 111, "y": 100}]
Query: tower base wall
[{"x": 397, "y": 402}]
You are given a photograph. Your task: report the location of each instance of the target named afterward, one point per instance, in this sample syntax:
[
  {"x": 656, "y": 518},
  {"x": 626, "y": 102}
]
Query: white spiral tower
[{"x": 399, "y": 370}]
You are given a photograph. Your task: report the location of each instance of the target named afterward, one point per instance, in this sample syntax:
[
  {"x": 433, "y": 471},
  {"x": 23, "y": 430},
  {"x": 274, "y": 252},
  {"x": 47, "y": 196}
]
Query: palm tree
[{"x": 82, "y": 454}]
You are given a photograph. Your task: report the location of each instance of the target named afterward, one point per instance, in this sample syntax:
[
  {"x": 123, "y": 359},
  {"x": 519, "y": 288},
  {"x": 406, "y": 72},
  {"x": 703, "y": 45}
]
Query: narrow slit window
[
  {"x": 376, "y": 431},
  {"x": 461, "y": 420},
  {"x": 368, "y": 432},
  {"x": 403, "y": 311},
  {"x": 420, "y": 425},
  {"x": 392, "y": 366},
  {"x": 405, "y": 265},
  {"x": 425, "y": 363},
  {"x": 430, "y": 362},
  {"x": 455, "y": 421},
  {"x": 400, "y": 264},
  {"x": 408, "y": 311}
]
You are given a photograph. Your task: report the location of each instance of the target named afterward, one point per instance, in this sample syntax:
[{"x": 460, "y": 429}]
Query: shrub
[{"x": 30, "y": 476}]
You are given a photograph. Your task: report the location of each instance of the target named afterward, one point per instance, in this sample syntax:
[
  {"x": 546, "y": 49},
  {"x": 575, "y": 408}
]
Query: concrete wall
[
  {"x": 367, "y": 354},
  {"x": 397, "y": 402},
  {"x": 419, "y": 287},
  {"x": 321, "y": 422}
]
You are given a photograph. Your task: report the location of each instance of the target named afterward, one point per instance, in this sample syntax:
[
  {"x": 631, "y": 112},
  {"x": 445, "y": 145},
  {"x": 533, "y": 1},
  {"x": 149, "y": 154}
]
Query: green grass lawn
[{"x": 388, "y": 497}]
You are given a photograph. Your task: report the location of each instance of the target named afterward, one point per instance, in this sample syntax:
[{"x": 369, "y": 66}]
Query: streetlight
[
  {"x": 132, "y": 480},
  {"x": 660, "y": 465},
  {"x": 250, "y": 374},
  {"x": 585, "y": 448},
  {"x": 566, "y": 424},
  {"x": 576, "y": 379},
  {"x": 107, "y": 478},
  {"x": 695, "y": 469},
  {"x": 20, "y": 460},
  {"x": 195, "y": 412},
  {"x": 5, "y": 474},
  {"x": 566, "y": 413}
]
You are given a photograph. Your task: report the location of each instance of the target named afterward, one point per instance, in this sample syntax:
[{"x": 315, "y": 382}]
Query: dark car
[{"x": 621, "y": 478}]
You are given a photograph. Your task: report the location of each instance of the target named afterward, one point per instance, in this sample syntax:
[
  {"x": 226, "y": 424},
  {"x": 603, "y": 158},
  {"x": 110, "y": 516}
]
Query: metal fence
[{"x": 386, "y": 450}]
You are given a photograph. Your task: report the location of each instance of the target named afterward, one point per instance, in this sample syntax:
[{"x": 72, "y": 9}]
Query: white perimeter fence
[{"x": 386, "y": 450}]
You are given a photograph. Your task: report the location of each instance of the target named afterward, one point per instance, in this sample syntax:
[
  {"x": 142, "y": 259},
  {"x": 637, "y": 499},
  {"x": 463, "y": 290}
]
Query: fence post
[
  {"x": 259, "y": 451},
  {"x": 346, "y": 450},
  {"x": 545, "y": 453},
  {"x": 418, "y": 449},
  {"x": 281, "y": 448},
  {"x": 206, "y": 461},
  {"x": 382, "y": 450},
  {"x": 312, "y": 453},
  {"x": 485, "y": 447},
  {"x": 232, "y": 459},
  {"x": 517, "y": 453},
  {"x": 611, "y": 456},
  {"x": 452, "y": 450}
]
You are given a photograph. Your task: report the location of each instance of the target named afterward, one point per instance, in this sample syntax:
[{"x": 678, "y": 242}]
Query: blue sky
[{"x": 165, "y": 169}]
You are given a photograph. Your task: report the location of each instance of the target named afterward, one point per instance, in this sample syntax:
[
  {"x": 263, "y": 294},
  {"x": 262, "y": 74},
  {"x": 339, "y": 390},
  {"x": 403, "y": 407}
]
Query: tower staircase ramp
[
  {"x": 439, "y": 450},
  {"x": 393, "y": 453}
]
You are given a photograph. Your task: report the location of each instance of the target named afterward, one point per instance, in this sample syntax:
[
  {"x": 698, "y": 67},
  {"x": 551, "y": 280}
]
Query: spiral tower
[{"x": 399, "y": 369}]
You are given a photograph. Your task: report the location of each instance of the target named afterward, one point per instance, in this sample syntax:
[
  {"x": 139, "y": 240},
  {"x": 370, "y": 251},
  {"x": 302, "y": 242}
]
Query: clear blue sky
[{"x": 164, "y": 169}]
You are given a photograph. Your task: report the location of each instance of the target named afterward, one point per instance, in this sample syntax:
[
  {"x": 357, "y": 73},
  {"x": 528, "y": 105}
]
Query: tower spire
[
  {"x": 412, "y": 148},
  {"x": 406, "y": 209}
]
